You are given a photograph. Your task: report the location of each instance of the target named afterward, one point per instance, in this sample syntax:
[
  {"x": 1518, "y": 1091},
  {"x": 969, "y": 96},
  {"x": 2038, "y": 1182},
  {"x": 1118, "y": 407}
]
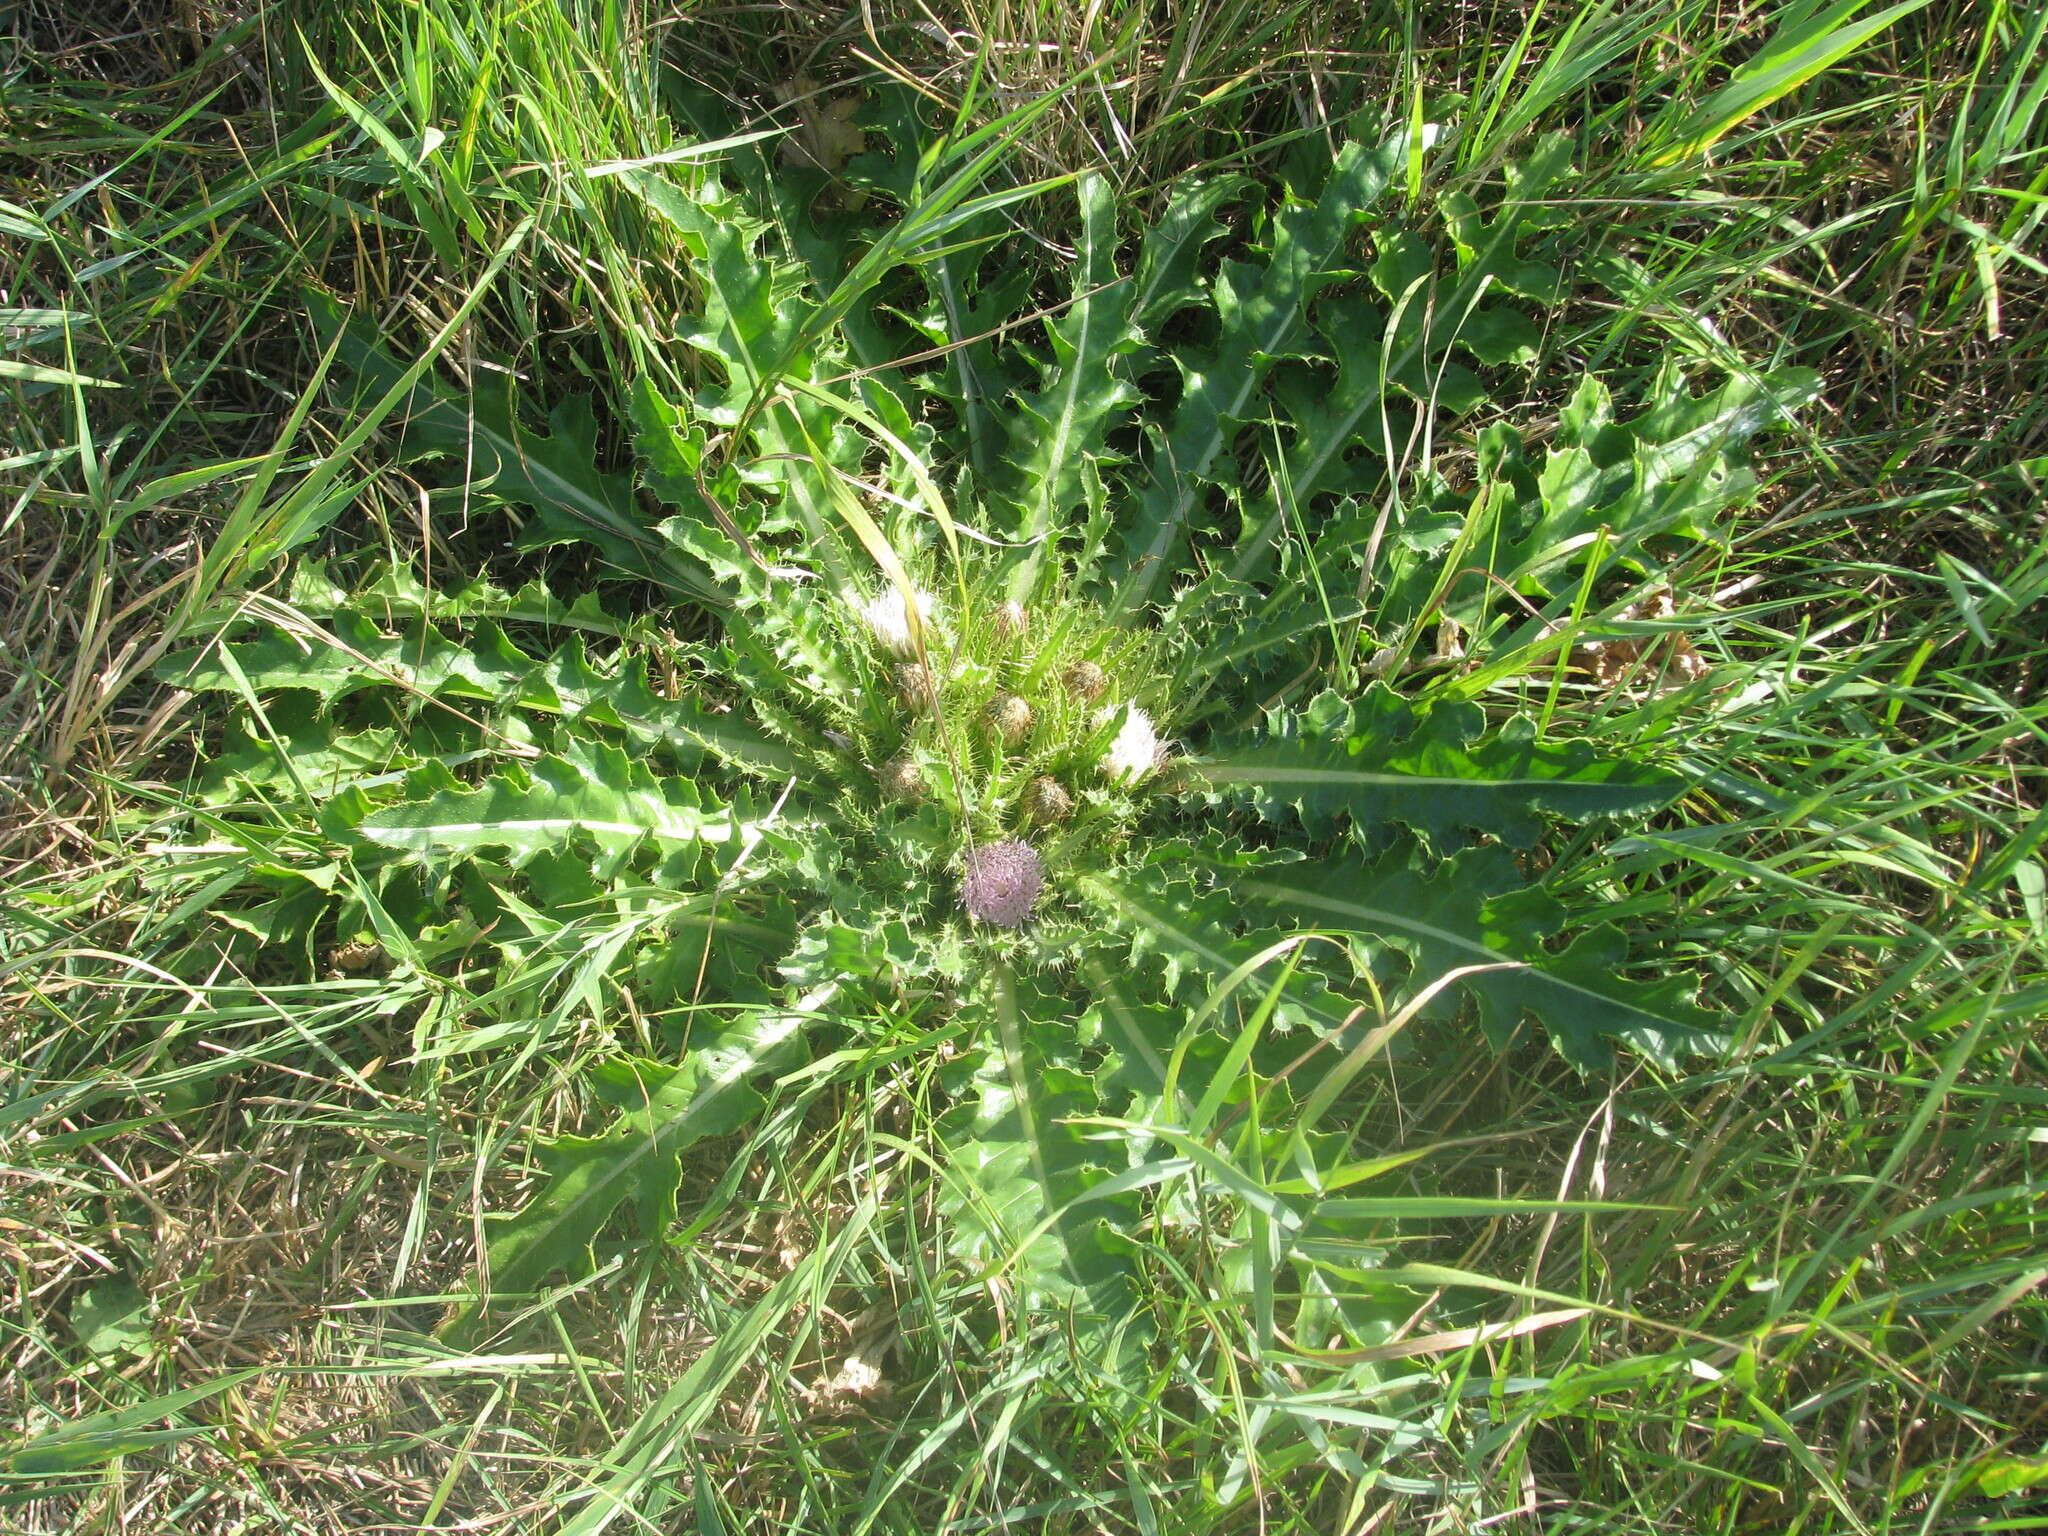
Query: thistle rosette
[{"x": 1006, "y": 723}]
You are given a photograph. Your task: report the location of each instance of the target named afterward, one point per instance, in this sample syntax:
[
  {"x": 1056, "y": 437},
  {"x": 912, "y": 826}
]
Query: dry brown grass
[{"x": 237, "y": 1249}]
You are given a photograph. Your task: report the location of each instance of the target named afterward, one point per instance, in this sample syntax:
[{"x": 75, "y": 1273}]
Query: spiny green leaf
[
  {"x": 667, "y": 1109},
  {"x": 566, "y": 682},
  {"x": 1603, "y": 487},
  {"x": 1344, "y": 417},
  {"x": 592, "y": 789},
  {"x": 357, "y": 654},
  {"x": 1052, "y": 431},
  {"x": 1167, "y": 281},
  {"x": 1263, "y": 313},
  {"x": 1475, "y": 910},
  {"x": 392, "y": 594},
  {"x": 758, "y": 328},
  {"x": 487, "y": 667},
  {"x": 556, "y": 477},
  {"x": 1679, "y": 474},
  {"x": 1471, "y": 314},
  {"x": 1013, "y": 1195},
  {"x": 1441, "y": 771},
  {"x": 1178, "y": 909},
  {"x": 304, "y": 751},
  {"x": 754, "y": 322},
  {"x": 1251, "y": 625}
]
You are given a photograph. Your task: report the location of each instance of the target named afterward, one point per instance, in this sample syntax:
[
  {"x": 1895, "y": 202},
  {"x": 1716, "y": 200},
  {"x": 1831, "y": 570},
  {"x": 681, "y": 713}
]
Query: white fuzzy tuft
[
  {"x": 1135, "y": 752},
  {"x": 888, "y": 619}
]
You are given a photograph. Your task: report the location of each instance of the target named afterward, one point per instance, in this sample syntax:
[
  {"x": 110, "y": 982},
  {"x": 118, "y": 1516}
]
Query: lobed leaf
[
  {"x": 1378, "y": 758},
  {"x": 1026, "y": 1195},
  {"x": 356, "y": 653},
  {"x": 1605, "y": 489},
  {"x": 762, "y": 332},
  {"x": 666, "y": 1110},
  {"x": 554, "y": 476},
  {"x": 1343, "y": 427},
  {"x": 1475, "y": 910},
  {"x": 530, "y": 809},
  {"x": 392, "y": 594},
  {"x": 1262, "y": 313},
  {"x": 1052, "y": 431},
  {"x": 1471, "y": 910}
]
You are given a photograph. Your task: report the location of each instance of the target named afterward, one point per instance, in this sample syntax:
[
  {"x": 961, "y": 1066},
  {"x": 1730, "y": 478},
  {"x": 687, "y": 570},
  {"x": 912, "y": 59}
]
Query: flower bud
[
  {"x": 914, "y": 686},
  {"x": 901, "y": 779},
  {"x": 1086, "y": 681},
  {"x": 1010, "y": 718},
  {"x": 1011, "y": 621},
  {"x": 1046, "y": 800}
]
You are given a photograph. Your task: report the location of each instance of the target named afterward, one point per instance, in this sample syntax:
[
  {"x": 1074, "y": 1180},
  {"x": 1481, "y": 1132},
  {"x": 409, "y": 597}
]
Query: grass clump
[{"x": 1233, "y": 771}]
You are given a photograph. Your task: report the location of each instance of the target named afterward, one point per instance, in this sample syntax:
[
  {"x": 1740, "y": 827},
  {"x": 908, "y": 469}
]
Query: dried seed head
[
  {"x": 914, "y": 686},
  {"x": 1046, "y": 800},
  {"x": 902, "y": 779},
  {"x": 1011, "y": 620},
  {"x": 1002, "y": 883},
  {"x": 1010, "y": 718},
  {"x": 1087, "y": 682}
]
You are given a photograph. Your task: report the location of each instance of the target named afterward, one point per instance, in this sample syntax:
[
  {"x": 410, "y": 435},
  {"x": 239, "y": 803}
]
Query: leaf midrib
[{"x": 1220, "y": 773}]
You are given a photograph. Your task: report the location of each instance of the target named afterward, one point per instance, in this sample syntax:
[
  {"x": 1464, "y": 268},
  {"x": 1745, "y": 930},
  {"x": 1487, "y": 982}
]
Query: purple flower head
[{"x": 1002, "y": 882}]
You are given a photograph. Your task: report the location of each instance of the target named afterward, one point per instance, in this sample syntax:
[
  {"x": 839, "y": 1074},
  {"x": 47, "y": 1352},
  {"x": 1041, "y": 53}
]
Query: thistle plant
[
  {"x": 989, "y": 723},
  {"x": 926, "y": 825},
  {"x": 1056, "y": 790}
]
